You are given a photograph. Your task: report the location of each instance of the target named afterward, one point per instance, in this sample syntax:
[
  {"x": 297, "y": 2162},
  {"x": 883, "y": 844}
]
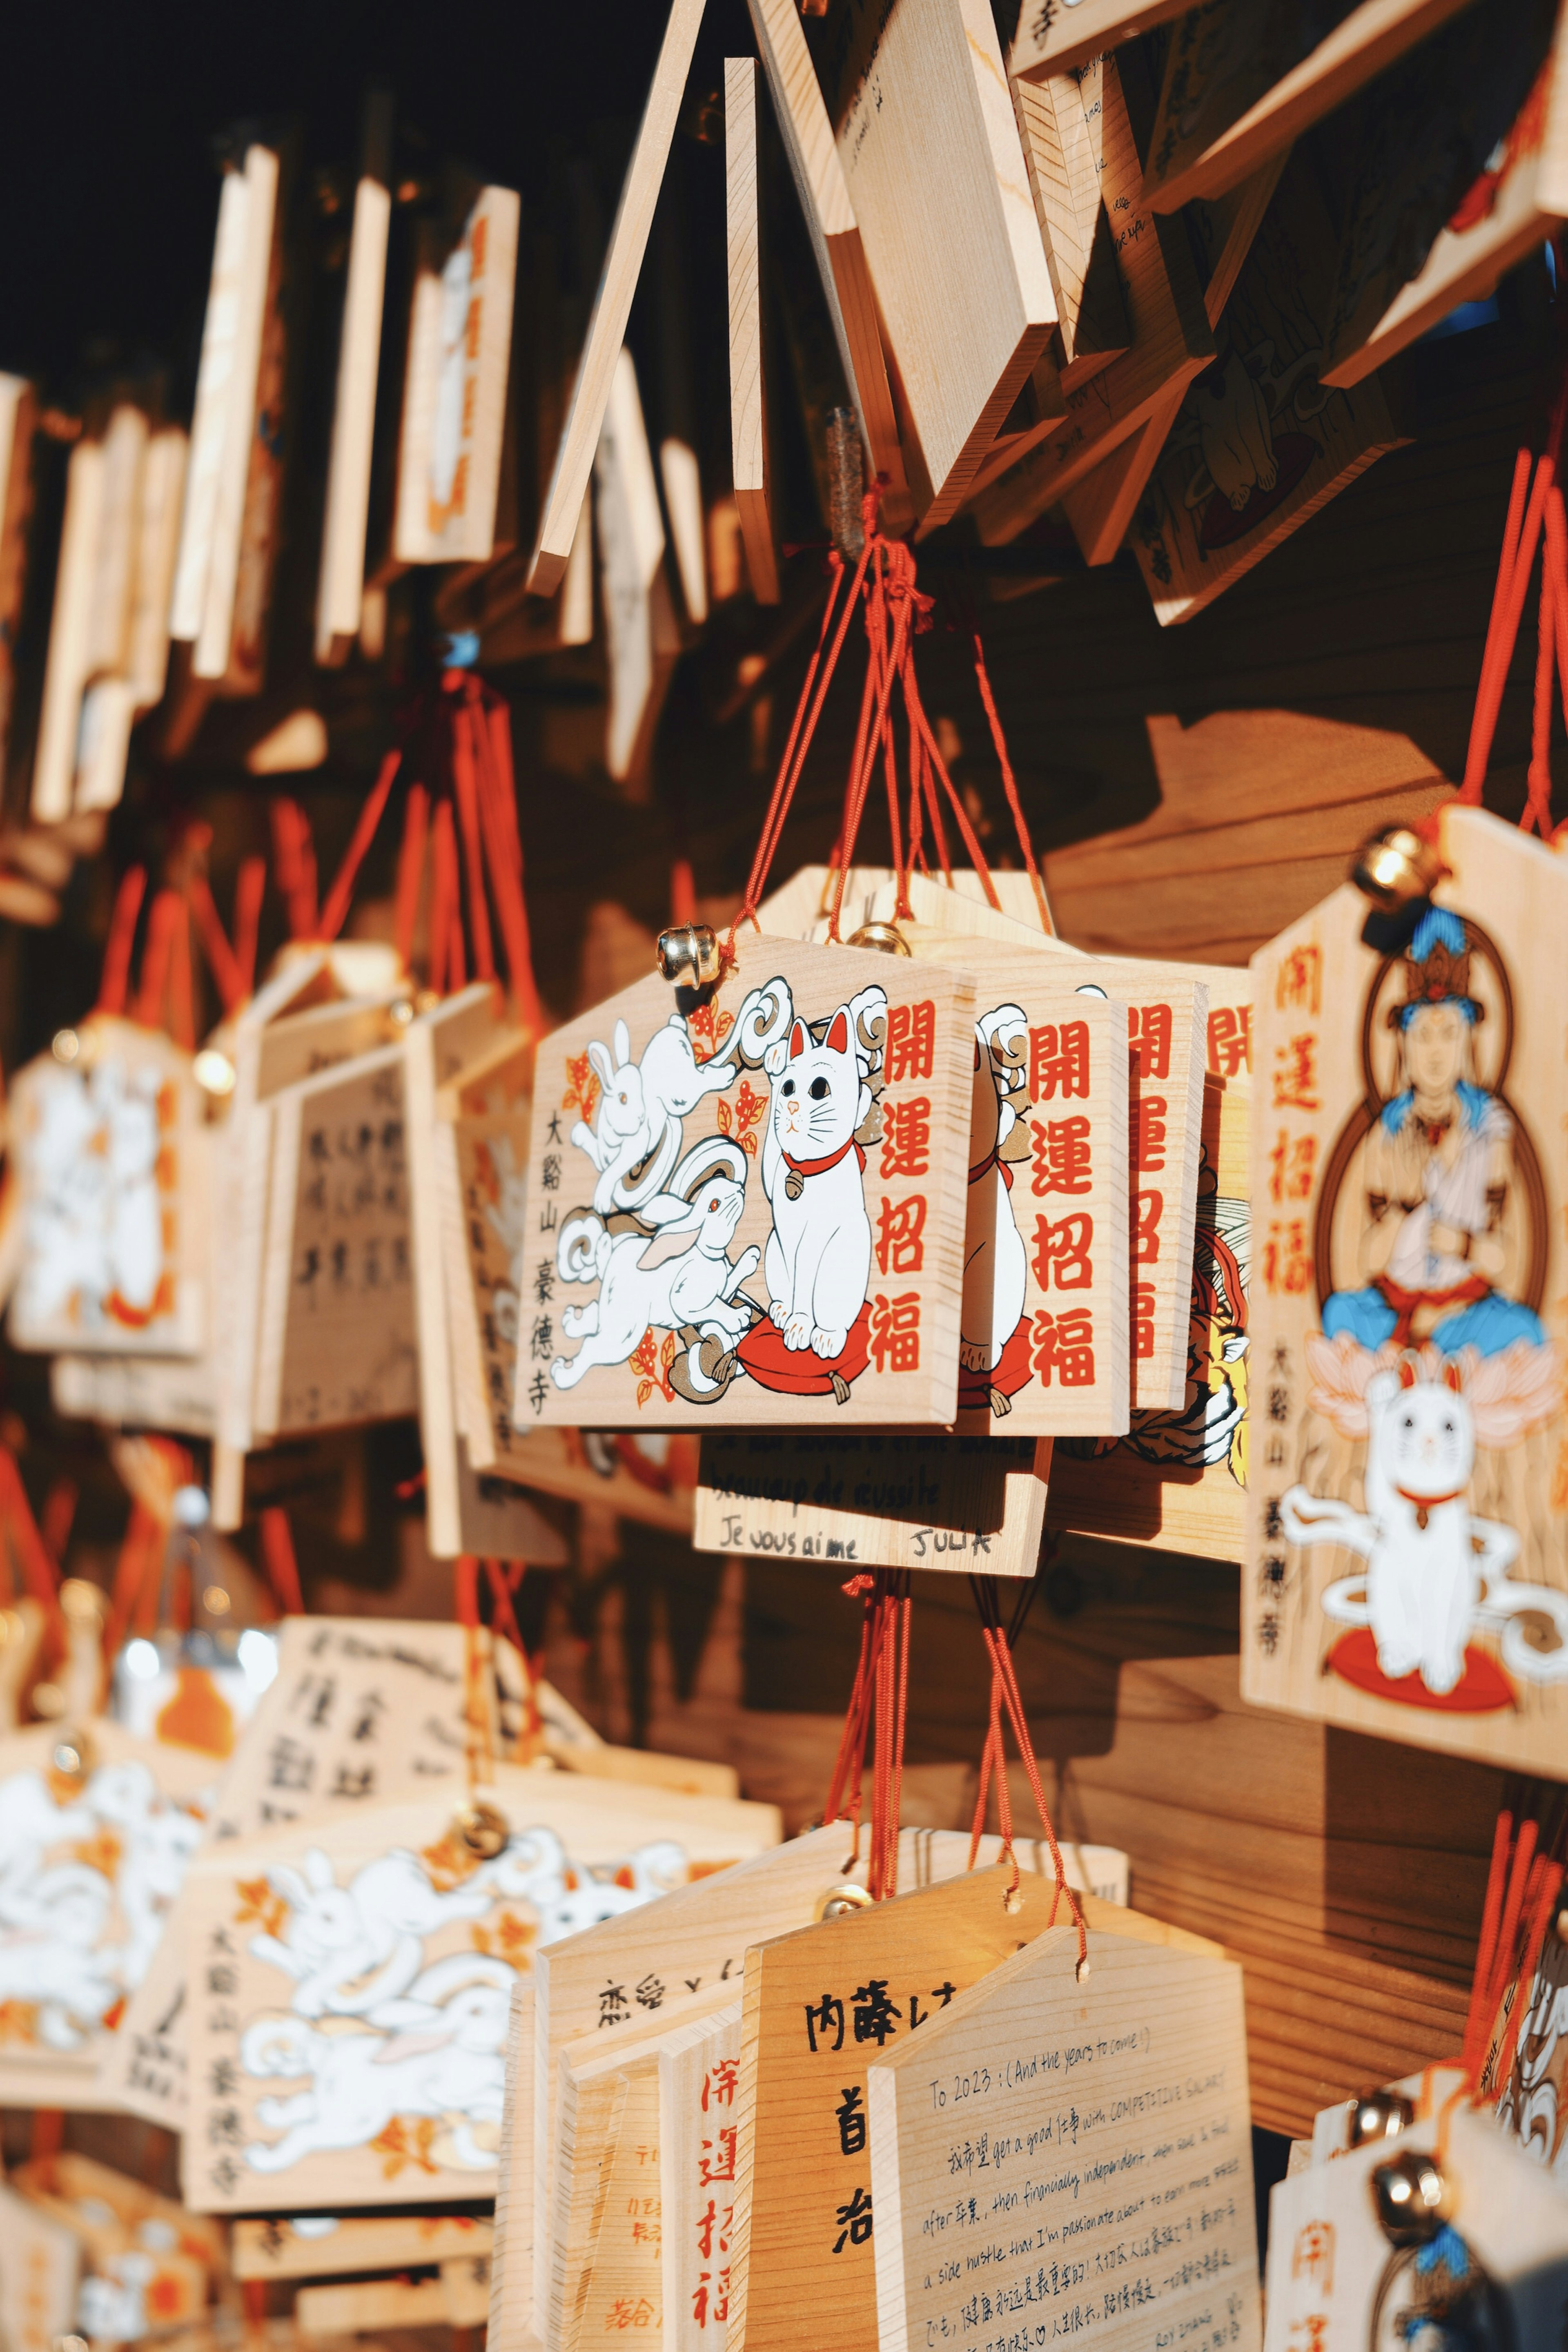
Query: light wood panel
[
  {"x": 279, "y": 2250},
  {"x": 1053, "y": 40},
  {"x": 699, "y": 2070},
  {"x": 613, "y": 301},
  {"x": 931, "y": 155},
  {"x": 1065, "y": 180},
  {"x": 747, "y": 390}
]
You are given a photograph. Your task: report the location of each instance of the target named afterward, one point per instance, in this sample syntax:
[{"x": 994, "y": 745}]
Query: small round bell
[
  {"x": 1396, "y": 866},
  {"x": 886, "y": 938},
  {"x": 72, "y": 1757},
  {"x": 1382, "y": 2114},
  {"x": 688, "y": 955},
  {"x": 1411, "y": 2198},
  {"x": 482, "y": 1829},
  {"x": 840, "y": 1901}
]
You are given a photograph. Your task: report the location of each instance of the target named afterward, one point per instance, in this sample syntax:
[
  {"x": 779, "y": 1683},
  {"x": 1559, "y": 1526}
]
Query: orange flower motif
[
  {"x": 259, "y": 1903},
  {"x": 407, "y": 2139},
  {"x": 749, "y": 1109},
  {"x": 582, "y": 1088},
  {"x": 101, "y": 1852},
  {"x": 449, "y": 1861},
  {"x": 707, "y": 1030},
  {"x": 18, "y": 2021},
  {"x": 653, "y": 1368},
  {"x": 509, "y": 1939}
]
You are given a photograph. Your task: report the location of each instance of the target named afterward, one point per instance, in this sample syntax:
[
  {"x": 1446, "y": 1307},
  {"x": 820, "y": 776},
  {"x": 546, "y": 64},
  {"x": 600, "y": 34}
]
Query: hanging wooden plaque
[
  {"x": 973, "y": 1505},
  {"x": 40, "y": 2265},
  {"x": 699, "y": 2075},
  {"x": 110, "y": 1151},
  {"x": 511, "y": 2258},
  {"x": 1168, "y": 1016},
  {"x": 818, "y": 2006},
  {"x": 1492, "y": 2271},
  {"x": 702, "y": 1190},
  {"x": 370, "y": 1961},
  {"x": 1064, "y": 2159},
  {"x": 1406, "y": 1531},
  {"x": 1178, "y": 1480}
]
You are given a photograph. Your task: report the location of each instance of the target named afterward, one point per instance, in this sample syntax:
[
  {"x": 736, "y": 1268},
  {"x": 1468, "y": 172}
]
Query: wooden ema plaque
[
  {"x": 38, "y": 2276},
  {"x": 967, "y": 1504},
  {"x": 707, "y": 1195},
  {"x": 1054, "y": 2158},
  {"x": 1406, "y": 1536},
  {"x": 1178, "y": 1480},
  {"x": 481, "y": 1147},
  {"x": 111, "y": 1157},
  {"x": 1167, "y": 1016},
  {"x": 91, "y": 1861},
  {"x": 818, "y": 2006},
  {"x": 365, "y": 1965},
  {"x": 699, "y": 2075}
]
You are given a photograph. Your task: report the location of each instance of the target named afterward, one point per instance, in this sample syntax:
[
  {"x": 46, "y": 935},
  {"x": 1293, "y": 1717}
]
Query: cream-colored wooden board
[
  {"x": 424, "y": 1983},
  {"x": 355, "y": 1714},
  {"x": 221, "y": 639},
  {"x": 641, "y": 638},
  {"x": 799, "y": 908},
  {"x": 699, "y": 2073},
  {"x": 512, "y": 2254},
  {"x": 1332, "y": 2270},
  {"x": 114, "y": 1251},
  {"x": 481, "y": 1151},
  {"x": 66, "y": 665},
  {"x": 932, "y": 159},
  {"x": 340, "y": 585},
  {"x": 1170, "y": 343},
  {"x": 971, "y": 1504},
  {"x": 1221, "y": 115},
  {"x": 990, "y": 2136},
  {"x": 1053, "y": 40},
  {"x": 748, "y": 392},
  {"x": 460, "y": 2297},
  {"x": 835, "y": 234},
  {"x": 81, "y": 1943},
  {"x": 1258, "y": 447},
  {"x": 1065, "y": 180},
  {"x": 455, "y": 391},
  {"x": 818, "y": 2005},
  {"x": 337, "y": 1342},
  {"x": 692, "y": 1776},
  {"x": 41, "y": 2262},
  {"x": 1178, "y": 1480},
  {"x": 1406, "y": 1567},
  {"x": 1167, "y": 1017},
  {"x": 613, "y": 301},
  {"x": 172, "y": 1392},
  {"x": 1376, "y": 310},
  {"x": 707, "y": 1127},
  {"x": 588, "y": 2139},
  {"x": 649, "y": 1478},
  {"x": 437, "y": 1045},
  {"x": 281, "y": 2250}
]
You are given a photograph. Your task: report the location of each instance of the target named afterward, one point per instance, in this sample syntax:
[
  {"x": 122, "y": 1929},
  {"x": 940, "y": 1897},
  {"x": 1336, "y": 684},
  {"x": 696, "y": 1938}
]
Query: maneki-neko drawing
[{"x": 1413, "y": 1422}]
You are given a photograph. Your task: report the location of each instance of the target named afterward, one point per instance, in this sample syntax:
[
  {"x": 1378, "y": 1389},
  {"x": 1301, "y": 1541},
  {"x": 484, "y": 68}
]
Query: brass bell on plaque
[
  {"x": 482, "y": 1829},
  {"x": 840, "y": 1901},
  {"x": 1382, "y": 2114},
  {"x": 1411, "y": 2198},
  {"x": 885, "y": 939},
  {"x": 688, "y": 955},
  {"x": 1396, "y": 866}
]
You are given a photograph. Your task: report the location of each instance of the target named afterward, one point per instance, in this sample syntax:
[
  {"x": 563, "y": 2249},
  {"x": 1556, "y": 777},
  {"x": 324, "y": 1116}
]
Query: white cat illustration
[
  {"x": 995, "y": 1265},
  {"x": 1425, "y": 1554},
  {"x": 818, "y": 1261}
]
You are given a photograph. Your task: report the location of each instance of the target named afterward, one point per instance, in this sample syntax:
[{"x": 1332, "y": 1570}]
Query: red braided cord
[
  {"x": 1009, "y": 782},
  {"x": 410, "y": 871},
  {"x": 115, "y": 984},
  {"x": 334, "y": 913},
  {"x": 465, "y": 787}
]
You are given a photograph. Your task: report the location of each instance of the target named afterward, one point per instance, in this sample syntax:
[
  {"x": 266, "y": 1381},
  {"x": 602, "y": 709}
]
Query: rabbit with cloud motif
[
  {"x": 641, "y": 1289},
  {"x": 636, "y": 1136}
]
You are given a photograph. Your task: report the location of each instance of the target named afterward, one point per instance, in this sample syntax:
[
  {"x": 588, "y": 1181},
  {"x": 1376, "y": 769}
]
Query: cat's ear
[
  {"x": 838, "y": 1038},
  {"x": 799, "y": 1041}
]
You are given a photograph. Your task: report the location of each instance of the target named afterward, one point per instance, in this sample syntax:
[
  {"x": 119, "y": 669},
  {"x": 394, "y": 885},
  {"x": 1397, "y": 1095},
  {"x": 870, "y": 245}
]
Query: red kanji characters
[
  {"x": 1296, "y": 1074},
  {"x": 1061, "y": 1159},
  {"x": 906, "y": 1137},
  {"x": 899, "y": 1227},
  {"x": 1058, "y": 1061},
  {"x": 1149, "y": 1035},
  {"x": 1143, "y": 1320},
  {"x": 1287, "y": 1260},
  {"x": 719, "y": 2083},
  {"x": 1298, "y": 986},
  {"x": 1230, "y": 1040},
  {"x": 1064, "y": 1246},
  {"x": 1292, "y": 1162},
  {"x": 895, "y": 1332},
  {"x": 911, "y": 1041},
  {"x": 721, "y": 2165},
  {"x": 1147, "y": 1210},
  {"x": 1149, "y": 1134},
  {"x": 1065, "y": 1343}
]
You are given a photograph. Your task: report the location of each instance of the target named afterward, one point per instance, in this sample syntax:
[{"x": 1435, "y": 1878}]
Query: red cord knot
[{"x": 857, "y": 1585}]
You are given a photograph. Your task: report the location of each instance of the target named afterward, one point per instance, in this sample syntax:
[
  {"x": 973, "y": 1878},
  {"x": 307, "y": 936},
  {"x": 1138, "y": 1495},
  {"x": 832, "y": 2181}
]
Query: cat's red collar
[
  {"x": 987, "y": 1163},
  {"x": 1428, "y": 1502},
  {"x": 832, "y": 1160}
]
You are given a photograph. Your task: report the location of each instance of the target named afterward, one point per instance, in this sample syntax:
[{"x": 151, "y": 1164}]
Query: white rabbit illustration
[
  {"x": 335, "y": 1936},
  {"x": 448, "y": 2060},
  {"x": 698, "y": 1287},
  {"x": 995, "y": 1265},
  {"x": 1425, "y": 1554},
  {"x": 636, "y": 1136}
]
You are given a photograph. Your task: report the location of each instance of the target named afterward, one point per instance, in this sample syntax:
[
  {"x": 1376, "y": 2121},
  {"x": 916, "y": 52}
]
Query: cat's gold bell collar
[
  {"x": 688, "y": 955},
  {"x": 1396, "y": 866}
]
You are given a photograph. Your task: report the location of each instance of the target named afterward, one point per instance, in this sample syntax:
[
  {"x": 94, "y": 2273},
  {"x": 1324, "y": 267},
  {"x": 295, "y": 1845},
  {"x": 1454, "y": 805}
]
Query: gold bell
[
  {"x": 482, "y": 1829},
  {"x": 1382, "y": 2114},
  {"x": 688, "y": 955},
  {"x": 886, "y": 938},
  {"x": 72, "y": 1756},
  {"x": 1411, "y": 2198},
  {"x": 1395, "y": 867},
  {"x": 840, "y": 1901}
]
